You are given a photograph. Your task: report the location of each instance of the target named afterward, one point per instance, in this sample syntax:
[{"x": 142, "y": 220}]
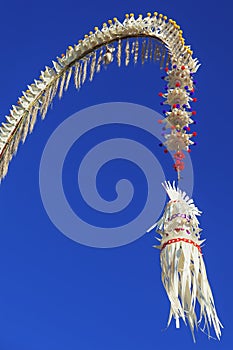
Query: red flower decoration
[
  {"x": 179, "y": 155},
  {"x": 178, "y": 165}
]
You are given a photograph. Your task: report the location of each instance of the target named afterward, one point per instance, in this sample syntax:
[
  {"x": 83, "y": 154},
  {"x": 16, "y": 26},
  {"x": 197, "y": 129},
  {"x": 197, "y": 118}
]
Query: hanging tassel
[
  {"x": 136, "y": 51},
  {"x": 25, "y": 127},
  {"x": 150, "y": 48},
  {"x": 157, "y": 53},
  {"x": 108, "y": 56},
  {"x": 143, "y": 51},
  {"x": 45, "y": 102},
  {"x": 68, "y": 78},
  {"x": 54, "y": 90},
  {"x": 147, "y": 51},
  {"x": 33, "y": 117},
  {"x": 4, "y": 163},
  {"x": 79, "y": 81},
  {"x": 15, "y": 143},
  {"x": 99, "y": 61},
  {"x": 76, "y": 74},
  {"x": 183, "y": 270},
  {"x": 119, "y": 49},
  {"x": 127, "y": 53},
  {"x": 133, "y": 48},
  {"x": 63, "y": 79},
  {"x": 93, "y": 66},
  {"x": 84, "y": 74},
  {"x": 162, "y": 58}
]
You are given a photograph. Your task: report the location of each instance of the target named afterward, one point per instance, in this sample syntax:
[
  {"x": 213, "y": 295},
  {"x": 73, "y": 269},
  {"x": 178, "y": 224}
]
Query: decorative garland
[
  {"x": 183, "y": 270},
  {"x": 178, "y": 95},
  {"x": 153, "y": 37}
]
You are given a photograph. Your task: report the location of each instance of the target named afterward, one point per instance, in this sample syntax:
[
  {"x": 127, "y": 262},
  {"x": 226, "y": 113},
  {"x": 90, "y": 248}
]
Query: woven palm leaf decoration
[
  {"x": 183, "y": 270},
  {"x": 150, "y": 38}
]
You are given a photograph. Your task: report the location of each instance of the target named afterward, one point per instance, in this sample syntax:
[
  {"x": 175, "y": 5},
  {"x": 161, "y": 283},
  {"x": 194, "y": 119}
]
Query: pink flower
[
  {"x": 178, "y": 165},
  {"x": 179, "y": 155}
]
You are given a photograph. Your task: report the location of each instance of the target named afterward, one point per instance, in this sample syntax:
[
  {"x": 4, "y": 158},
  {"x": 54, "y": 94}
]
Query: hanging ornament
[
  {"x": 183, "y": 269},
  {"x": 178, "y": 95}
]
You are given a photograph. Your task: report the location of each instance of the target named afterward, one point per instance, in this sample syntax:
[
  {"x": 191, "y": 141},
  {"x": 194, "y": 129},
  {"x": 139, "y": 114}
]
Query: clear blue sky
[{"x": 56, "y": 294}]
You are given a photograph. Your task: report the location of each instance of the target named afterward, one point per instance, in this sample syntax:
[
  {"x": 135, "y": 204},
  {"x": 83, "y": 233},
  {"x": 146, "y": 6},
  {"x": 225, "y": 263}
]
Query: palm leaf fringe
[
  {"x": 76, "y": 74},
  {"x": 46, "y": 100},
  {"x": 143, "y": 51},
  {"x": 93, "y": 66},
  {"x": 33, "y": 117},
  {"x": 119, "y": 48},
  {"x": 69, "y": 74},
  {"x": 63, "y": 79},
  {"x": 127, "y": 53},
  {"x": 25, "y": 127},
  {"x": 136, "y": 52},
  {"x": 84, "y": 75},
  {"x": 80, "y": 75},
  {"x": 100, "y": 60}
]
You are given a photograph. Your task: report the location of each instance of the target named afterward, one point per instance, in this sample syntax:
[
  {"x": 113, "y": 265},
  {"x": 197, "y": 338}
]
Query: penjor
[
  {"x": 153, "y": 37},
  {"x": 183, "y": 270}
]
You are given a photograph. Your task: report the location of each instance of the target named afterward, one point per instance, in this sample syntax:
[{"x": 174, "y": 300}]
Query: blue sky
[{"x": 55, "y": 293}]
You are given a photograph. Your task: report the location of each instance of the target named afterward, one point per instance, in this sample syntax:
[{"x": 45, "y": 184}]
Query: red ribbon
[{"x": 186, "y": 240}]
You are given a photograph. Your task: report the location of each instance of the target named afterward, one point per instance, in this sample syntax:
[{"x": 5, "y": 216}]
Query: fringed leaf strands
[
  {"x": 93, "y": 66},
  {"x": 62, "y": 84},
  {"x": 69, "y": 74},
  {"x": 119, "y": 52},
  {"x": 76, "y": 74},
  {"x": 136, "y": 51},
  {"x": 84, "y": 72},
  {"x": 127, "y": 53},
  {"x": 183, "y": 270},
  {"x": 33, "y": 117}
]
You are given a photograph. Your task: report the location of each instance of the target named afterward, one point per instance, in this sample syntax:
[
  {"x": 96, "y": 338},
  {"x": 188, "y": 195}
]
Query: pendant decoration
[
  {"x": 176, "y": 124},
  {"x": 183, "y": 269}
]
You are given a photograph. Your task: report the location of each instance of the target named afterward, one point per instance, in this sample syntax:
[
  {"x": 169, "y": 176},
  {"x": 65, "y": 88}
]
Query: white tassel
[
  {"x": 25, "y": 127},
  {"x": 143, "y": 51},
  {"x": 119, "y": 49},
  {"x": 157, "y": 53},
  {"x": 127, "y": 53},
  {"x": 4, "y": 163},
  {"x": 183, "y": 270},
  {"x": 162, "y": 58},
  {"x": 92, "y": 68},
  {"x": 84, "y": 75},
  {"x": 45, "y": 102},
  {"x": 133, "y": 48},
  {"x": 136, "y": 51},
  {"x": 76, "y": 74},
  {"x": 80, "y": 76},
  {"x": 68, "y": 78},
  {"x": 15, "y": 143},
  {"x": 146, "y": 51},
  {"x": 63, "y": 79},
  {"x": 150, "y": 48},
  {"x": 54, "y": 90},
  {"x": 33, "y": 118},
  {"x": 99, "y": 62}
]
